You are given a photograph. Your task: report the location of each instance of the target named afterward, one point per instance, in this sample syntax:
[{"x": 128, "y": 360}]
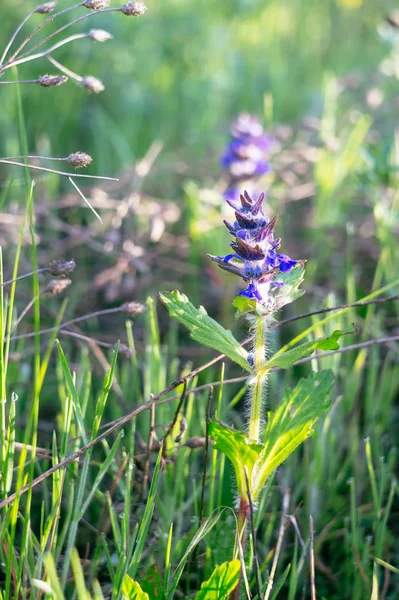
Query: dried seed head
[
  {"x": 99, "y": 35},
  {"x": 61, "y": 268},
  {"x": 46, "y": 8},
  {"x": 93, "y": 84},
  {"x": 57, "y": 286},
  {"x": 52, "y": 80},
  {"x": 133, "y": 9},
  {"x": 132, "y": 308},
  {"x": 196, "y": 442},
  {"x": 96, "y": 4},
  {"x": 79, "y": 160}
]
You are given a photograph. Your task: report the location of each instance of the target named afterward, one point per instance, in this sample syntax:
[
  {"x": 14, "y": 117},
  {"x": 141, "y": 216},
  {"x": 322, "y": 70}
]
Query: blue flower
[
  {"x": 251, "y": 292},
  {"x": 255, "y": 258}
]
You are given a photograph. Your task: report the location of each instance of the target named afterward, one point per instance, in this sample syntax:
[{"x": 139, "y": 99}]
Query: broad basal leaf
[
  {"x": 203, "y": 328},
  {"x": 285, "y": 360},
  {"x": 291, "y": 424},
  {"x": 221, "y": 583},
  {"x": 131, "y": 590},
  {"x": 238, "y": 449}
]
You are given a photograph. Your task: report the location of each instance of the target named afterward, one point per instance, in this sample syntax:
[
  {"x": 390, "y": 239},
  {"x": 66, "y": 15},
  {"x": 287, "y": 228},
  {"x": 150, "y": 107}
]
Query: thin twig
[
  {"x": 27, "y": 309},
  {"x": 85, "y": 200},
  {"x": 35, "y": 31},
  {"x": 97, "y": 313},
  {"x": 42, "y": 270},
  {"x": 85, "y": 338},
  {"x": 14, "y": 35},
  {"x": 61, "y": 29},
  {"x": 253, "y": 533},
  {"x": 204, "y": 471},
  {"x": 311, "y": 558},
  {"x": 338, "y": 307},
  {"x": 35, "y": 156},
  {"x": 292, "y": 519},
  {"x": 71, "y": 38},
  {"x": 174, "y": 421},
  {"x": 286, "y": 501},
  {"x": 64, "y": 69},
  {"x": 62, "y": 173},
  {"x": 19, "y": 82}
]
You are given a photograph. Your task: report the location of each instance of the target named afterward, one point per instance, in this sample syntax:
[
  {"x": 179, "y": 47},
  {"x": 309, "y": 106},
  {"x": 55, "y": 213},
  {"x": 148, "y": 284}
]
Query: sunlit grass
[{"x": 130, "y": 503}]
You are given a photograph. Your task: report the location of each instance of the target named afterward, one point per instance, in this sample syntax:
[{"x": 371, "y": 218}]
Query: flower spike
[{"x": 255, "y": 257}]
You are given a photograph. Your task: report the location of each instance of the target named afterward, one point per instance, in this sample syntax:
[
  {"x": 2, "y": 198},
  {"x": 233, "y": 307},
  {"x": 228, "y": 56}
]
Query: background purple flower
[{"x": 245, "y": 157}]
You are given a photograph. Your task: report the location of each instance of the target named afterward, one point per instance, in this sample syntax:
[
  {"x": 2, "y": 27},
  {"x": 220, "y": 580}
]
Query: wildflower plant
[
  {"x": 44, "y": 559},
  {"x": 272, "y": 280}
]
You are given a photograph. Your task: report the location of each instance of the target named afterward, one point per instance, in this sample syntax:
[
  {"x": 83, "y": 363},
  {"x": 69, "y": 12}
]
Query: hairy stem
[
  {"x": 258, "y": 385},
  {"x": 243, "y": 514},
  {"x": 259, "y": 329}
]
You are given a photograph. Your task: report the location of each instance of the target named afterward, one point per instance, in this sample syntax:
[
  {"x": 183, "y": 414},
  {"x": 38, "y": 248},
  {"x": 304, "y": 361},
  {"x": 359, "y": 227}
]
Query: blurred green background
[{"x": 183, "y": 72}]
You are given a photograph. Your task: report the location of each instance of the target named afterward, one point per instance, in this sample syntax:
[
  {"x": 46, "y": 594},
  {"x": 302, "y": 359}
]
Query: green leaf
[
  {"x": 153, "y": 584},
  {"x": 146, "y": 518},
  {"x": 291, "y": 424},
  {"x": 277, "y": 587},
  {"x": 238, "y": 449},
  {"x": 221, "y": 583},
  {"x": 386, "y": 565},
  {"x": 73, "y": 392},
  {"x": 285, "y": 360},
  {"x": 131, "y": 590},
  {"x": 203, "y": 328},
  {"x": 289, "y": 291},
  {"x": 201, "y": 532},
  {"x": 244, "y": 305}
]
